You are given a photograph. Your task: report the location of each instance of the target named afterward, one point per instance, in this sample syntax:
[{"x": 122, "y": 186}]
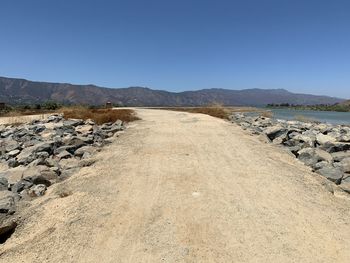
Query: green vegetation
[{"x": 339, "y": 107}]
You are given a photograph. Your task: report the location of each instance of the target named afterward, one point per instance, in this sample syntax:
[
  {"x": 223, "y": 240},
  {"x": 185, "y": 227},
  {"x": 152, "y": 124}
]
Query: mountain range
[{"x": 21, "y": 91}]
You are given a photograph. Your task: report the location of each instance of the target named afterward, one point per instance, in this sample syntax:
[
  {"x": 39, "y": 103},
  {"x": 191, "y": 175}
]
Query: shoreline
[{"x": 322, "y": 146}]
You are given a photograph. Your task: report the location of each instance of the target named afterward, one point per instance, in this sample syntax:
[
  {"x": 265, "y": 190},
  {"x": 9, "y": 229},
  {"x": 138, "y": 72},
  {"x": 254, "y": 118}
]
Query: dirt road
[{"x": 179, "y": 187}]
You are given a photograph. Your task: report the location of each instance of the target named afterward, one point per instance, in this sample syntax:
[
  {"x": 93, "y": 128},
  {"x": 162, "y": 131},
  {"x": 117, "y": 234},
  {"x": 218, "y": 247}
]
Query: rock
[
  {"x": 323, "y": 139},
  {"x": 339, "y": 156},
  {"x": 87, "y": 162},
  {"x": 345, "y": 184},
  {"x": 344, "y": 165},
  {"x": 29, "y": 154},
  {"x": 54, "y": 118},
  {"x": 69, "y": 148},
  {"x": 311, "y": 156},
  {"x": 85, "y": 149},
  {"x": 84, "y": 129},
  {"x": 11, "y": 145},
  {"x": 332, "y": 174},
  {"x": 7, "y": 202},
  {"x": 332, "y": 147},
  {"x": 69, "y": 163},
  {"x": 64, "y": 155},
  {"x": 323, "y": 155},
  {"x": 7, "y": 227},
  {"x": 321, "y": 165},
  {"x": 41, "y": 180},
  {"x": 21, "y": 185},
  {"x": 304, "y": 140},
  {"x": 37, "y": 190},
  {"x": 13, "y": 153},
  {"x": 344, "y": 138},
  {"x": 12, "y": 162},
  {"x": 73, "y": 122},
  {"x": 4, "y": 184},
  {"x": 274, "y": 132},
  {"x": 75, "y": 142}
]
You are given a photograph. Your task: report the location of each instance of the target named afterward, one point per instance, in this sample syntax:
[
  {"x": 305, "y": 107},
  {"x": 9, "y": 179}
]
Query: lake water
[{"x": 322, "y": 116}]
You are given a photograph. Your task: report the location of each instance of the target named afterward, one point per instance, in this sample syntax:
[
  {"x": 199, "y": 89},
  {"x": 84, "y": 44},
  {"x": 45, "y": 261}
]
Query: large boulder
[
  {"x": 311, "y": 156},
  {"x": 332, "y": 147},
  {"x": 323, "y": 139},
  {"x": 29, "y": 154},
  {"x": 345, "y": 184},
  {"x": 332, "y": 174},
  {"x": 11, "y": 145},
  {"x": 275, "y": 131},
  {"x": 344, "y": 165},
  {"x": 85, "y": 149},
  {"x": 339, "y": 156}
]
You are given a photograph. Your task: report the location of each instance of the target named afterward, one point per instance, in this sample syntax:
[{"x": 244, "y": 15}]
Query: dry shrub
[
  {"x": 214, "y": 110},
  {"x": 99, "y": 116}
]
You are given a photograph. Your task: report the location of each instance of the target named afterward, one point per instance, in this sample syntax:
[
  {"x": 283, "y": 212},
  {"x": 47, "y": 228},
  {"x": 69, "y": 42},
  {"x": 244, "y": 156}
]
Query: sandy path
[{"x": 179, "y": 187}]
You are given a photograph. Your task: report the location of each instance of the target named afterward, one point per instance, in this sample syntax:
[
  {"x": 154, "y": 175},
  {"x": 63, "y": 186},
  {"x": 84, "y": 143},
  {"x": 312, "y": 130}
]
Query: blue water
[{"x": 322, "y": 116}]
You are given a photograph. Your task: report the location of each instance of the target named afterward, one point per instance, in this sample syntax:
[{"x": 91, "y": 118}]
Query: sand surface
[{"x": 180, "y": 187}]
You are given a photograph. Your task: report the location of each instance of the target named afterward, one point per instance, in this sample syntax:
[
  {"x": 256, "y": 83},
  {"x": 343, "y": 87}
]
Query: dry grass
[
  {"x": 16, "y": 113},
  {"x": 217, "y": 111},
  {"x": 99, "y": 116},
  {"x": 19, "y": 119}
]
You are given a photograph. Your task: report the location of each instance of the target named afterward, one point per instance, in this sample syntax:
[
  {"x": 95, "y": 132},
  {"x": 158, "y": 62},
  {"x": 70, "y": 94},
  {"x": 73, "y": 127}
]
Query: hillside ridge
[{"x": 22, "y": 91}]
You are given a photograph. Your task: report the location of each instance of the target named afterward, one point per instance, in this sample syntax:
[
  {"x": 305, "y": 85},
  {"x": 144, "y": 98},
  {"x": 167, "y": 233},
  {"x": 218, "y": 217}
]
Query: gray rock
[
  {"x": 74, "y": 141},
  {"x": 12, "y": 163},
  {"x": 323, "y": 139},
  {"x": 335, "y": 147},
  {"x": 344, "y": 165},
  {"x": 3, "y": 184},
  {"x": 274, "y": 132},
  {"x": 339, "y": 156},
  {"x": 29, "y": 154},
  {"x": 320, "y": 165},
  {"x": 305, "y": 141},
  {"x": 11, "y": 145},
  {"x": 73, "y": 122},
  {"x": 332, "y": 174},
  {"x": 13, "y": 153},
  {"x": 84, "y": 129},
  {"x": 7, "y": 202},
  {"x": 21, "y": 185},
  {"x": 85, "y": 149},
  {"x": 37, "y": 190},
  {"x": 64, "y": 155},
  {"x": 311, "y": 156}
]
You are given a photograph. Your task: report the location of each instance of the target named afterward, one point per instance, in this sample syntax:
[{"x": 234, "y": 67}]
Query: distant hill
[
  {"x": 346, "y": 103},
  {"x": 20, "y": 91}
]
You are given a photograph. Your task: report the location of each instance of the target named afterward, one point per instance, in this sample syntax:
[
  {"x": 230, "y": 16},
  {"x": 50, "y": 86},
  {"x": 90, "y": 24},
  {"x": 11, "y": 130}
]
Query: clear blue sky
[{"x": 299, "y": 45}]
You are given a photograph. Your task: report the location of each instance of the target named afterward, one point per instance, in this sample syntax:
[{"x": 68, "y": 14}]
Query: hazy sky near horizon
[{"x": 299, "y": 45}]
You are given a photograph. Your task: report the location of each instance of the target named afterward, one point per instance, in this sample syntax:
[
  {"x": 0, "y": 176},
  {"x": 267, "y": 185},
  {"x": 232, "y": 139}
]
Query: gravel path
[{"x": 180, "y": 187}]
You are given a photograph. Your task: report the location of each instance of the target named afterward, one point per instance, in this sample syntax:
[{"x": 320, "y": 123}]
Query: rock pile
[
  {"x": 324, "y": 147},
  {"x": 35, "y": 155}
]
